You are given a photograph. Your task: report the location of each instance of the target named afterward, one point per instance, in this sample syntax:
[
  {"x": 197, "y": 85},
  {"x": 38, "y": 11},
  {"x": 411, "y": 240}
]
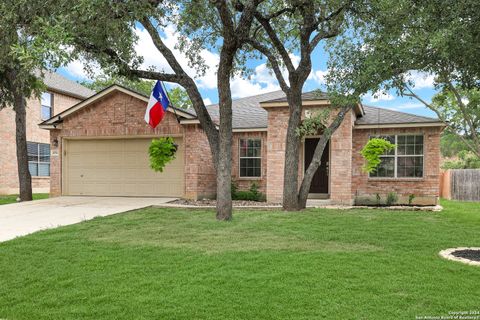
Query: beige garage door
[{"x": 119, "y": 167}]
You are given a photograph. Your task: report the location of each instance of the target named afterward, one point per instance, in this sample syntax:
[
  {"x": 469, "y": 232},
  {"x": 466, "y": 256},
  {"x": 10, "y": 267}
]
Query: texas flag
[{"x": 157, "y": 105}]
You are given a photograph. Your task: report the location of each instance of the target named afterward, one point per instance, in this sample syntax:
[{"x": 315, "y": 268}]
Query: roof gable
[{"x": 52, "y": 122}]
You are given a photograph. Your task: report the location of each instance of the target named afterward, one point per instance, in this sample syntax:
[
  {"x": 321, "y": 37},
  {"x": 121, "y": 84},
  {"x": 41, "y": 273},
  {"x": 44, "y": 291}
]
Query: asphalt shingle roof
[
  {"x": 247, "y": 113},
  {"x": 59, "y": 83},
  {"x": 306, "y": 96},
  {"x": 376, "y": 115}
]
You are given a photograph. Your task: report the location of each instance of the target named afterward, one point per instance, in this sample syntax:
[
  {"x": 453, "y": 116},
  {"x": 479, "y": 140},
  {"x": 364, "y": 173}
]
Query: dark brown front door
[{"x": 320, "y": 179}]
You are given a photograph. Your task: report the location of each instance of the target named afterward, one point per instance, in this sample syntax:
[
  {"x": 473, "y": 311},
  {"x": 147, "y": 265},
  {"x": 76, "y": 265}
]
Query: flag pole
[{"x": 170, "y": 102}]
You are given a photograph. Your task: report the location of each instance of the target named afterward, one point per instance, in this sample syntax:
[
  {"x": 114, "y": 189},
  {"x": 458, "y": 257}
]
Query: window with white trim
[
  {"x": 46, "y": 109},
  {"x": 38, "y": 159},
  {"x": 250, "y": 158},
  {"x": 405, "y": 161}
]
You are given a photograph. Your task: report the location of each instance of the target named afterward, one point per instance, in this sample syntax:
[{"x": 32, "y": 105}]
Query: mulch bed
[
  {"x": 210, "y": 203},
  {"x": 469, "y": 254}
]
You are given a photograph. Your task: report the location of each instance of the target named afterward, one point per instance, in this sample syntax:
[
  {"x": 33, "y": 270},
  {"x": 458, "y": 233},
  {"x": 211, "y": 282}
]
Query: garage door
[{"x": 119, "y": 167}]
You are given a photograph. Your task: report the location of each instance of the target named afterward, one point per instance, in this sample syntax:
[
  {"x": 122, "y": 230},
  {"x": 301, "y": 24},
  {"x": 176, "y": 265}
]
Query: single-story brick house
[{"x": 99, "y": 147}]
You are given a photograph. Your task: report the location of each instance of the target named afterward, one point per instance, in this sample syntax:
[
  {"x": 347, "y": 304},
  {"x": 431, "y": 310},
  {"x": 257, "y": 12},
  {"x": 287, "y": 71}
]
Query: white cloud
[
  {"x": 408, "y": 105},
  {"x": 379, "y": 96},
  {"x": 261, "y": 81},
  {"x": 318, "y": 76},
  {"x": 77, "y": 69},
  {"x": 207, "y": 101},
  {"x": 421, "y": 80}
]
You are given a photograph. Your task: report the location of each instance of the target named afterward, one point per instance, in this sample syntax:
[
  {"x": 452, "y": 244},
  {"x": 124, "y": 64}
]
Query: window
[
  {"x": 38, "y": 159},
  {"x": 46, "y": 110},
  {"x": 250, "y": 157},
  {"x": 405, "y": 161}
]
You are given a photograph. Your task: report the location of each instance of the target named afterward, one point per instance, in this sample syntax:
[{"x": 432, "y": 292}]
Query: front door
[{"x": 320, "y": 179}]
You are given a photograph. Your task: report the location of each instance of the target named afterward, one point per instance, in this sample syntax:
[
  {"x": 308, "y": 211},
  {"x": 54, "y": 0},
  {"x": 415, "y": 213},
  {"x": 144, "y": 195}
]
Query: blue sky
[{"x": 262, "y": 80}]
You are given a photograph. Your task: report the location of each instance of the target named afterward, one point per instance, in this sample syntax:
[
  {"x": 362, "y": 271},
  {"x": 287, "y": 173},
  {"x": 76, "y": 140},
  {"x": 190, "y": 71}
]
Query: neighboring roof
[
  {"x": 306, "y": 96},
  {"x": 376, "y": 116},
  {"x": 246, "y": 112},
  {"x": 57, "y": 119},
  {"x": 59, "y": 83}
]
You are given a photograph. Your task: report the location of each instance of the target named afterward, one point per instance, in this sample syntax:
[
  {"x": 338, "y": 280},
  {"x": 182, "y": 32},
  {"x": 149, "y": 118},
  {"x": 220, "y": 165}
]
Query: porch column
[
  {"x": 341, "y": 162},
  {"x": 276, "y": 135}
]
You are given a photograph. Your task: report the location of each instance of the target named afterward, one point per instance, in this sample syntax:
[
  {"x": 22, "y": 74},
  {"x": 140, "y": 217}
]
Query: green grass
[
  {"x": 12, "y": 198},
  {"x": 182, "y": 264}
]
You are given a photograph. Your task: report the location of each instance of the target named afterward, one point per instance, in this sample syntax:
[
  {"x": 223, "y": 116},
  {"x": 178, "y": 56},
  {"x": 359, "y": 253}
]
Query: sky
[{"x": 262, "y": 80}]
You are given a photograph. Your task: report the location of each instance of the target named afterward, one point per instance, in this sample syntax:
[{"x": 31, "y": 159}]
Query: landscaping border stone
[{"x": 448, "y": 254}]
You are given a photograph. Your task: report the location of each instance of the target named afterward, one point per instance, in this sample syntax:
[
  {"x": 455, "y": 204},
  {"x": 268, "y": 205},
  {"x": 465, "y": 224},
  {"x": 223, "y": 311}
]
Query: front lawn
[
  {"x": 12, "y": 198},
  {"x": 182, "y": 264}
]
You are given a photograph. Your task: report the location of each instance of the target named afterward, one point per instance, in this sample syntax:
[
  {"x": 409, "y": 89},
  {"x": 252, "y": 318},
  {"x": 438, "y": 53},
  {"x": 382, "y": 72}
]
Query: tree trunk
[
  {"x": 317, "y": 157},
  {"x": 292, "y": 151},
  {"x": 24, "y": 177},
  {"x": 224, "y": 165}
]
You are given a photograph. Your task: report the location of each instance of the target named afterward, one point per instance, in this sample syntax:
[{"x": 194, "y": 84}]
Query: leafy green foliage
[
  {"x": 161, "y": 152},
  {"x": 179, "y": 98},
  {"x": 103, "y": 81},
  {"x": 466, "y": 160},
  {"x": 252, "y": 194},
  {"x": 392, "y": 198},
  {"x": 372, "y": 151},
  {"x": 451, "y": 144},
  {"x": 411, "y": 197},
  {"x": 32, "y": 39},
  {"x": 460, "y": 109},
  {"x": 315, "y": 123},
  {"x": 391, "y": 38}
]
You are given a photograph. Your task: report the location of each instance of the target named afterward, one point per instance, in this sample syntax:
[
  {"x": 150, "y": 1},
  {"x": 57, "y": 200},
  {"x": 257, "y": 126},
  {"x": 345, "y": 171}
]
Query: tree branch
[{"x": 273, "y": 62}]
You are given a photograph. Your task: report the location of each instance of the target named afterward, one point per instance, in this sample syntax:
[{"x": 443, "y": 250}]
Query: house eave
[{"x": 398, "y": 125}]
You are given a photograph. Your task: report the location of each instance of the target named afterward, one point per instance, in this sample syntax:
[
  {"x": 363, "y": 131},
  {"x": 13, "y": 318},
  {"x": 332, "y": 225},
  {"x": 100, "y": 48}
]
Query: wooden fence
[{"x": 460, "y": 184}]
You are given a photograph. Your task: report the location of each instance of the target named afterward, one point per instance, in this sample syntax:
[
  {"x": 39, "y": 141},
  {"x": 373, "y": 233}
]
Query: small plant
[
  {"x": 372, "y": 151},
  {"x": 252, "y": 194},
  {"x": 378, "y": 199},
  {"x": 392, "y": 198},
  {"x": 410, "y": 199},
  {"x": 161, "y": 152},
  {"x": 234, "y": 189}
]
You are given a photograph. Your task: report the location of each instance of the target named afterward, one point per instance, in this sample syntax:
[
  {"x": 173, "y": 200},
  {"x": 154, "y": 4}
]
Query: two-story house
[{"x": 61, "y": 94}]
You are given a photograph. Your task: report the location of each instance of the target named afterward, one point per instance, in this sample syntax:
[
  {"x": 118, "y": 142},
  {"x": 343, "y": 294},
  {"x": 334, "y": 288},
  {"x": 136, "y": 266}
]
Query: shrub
[
  {"x": 410, "y": 199},
  {"x": 252, "y": 194},
  {"x": 392, "y": 198},
  {"x": 378, "y": 199}
]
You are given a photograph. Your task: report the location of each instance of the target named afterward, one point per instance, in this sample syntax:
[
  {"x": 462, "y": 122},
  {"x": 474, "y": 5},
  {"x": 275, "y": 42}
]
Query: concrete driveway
[{"x": 19, "y": 219}]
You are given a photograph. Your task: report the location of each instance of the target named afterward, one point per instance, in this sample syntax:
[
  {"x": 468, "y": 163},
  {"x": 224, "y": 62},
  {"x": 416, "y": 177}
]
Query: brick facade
[
  {"x": 426, "y": 189},
  {"x": 119, "y": 114},
  {"x": 113, "y": 116},
  {"x": 8, "y": 156}
]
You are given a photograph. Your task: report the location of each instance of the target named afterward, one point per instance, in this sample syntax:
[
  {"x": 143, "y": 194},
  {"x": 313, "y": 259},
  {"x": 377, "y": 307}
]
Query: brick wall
[
  {"x": 8, "y": 157},
  {"x": 116, "y": 115},
  {"x": 340, "y": 156},
  {"x": 426, "y": 189},
  {"x": 200, "y": 178},
  {"x": 341, "y": 162},
  {"x": 276, "y": 135}
]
